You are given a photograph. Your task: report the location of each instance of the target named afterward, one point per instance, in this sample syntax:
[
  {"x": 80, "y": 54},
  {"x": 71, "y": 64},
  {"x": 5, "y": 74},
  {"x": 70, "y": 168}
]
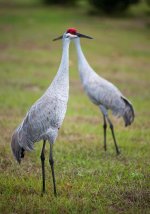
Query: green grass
[{"x": 89, "y": 180}]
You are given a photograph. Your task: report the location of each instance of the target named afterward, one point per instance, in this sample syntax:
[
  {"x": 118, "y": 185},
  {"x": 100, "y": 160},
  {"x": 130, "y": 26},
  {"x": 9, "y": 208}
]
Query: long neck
[
  {"x": 61, "y": 80},
  {"x": 83, "y": 66},
  {"x": 64, "y": 64}
]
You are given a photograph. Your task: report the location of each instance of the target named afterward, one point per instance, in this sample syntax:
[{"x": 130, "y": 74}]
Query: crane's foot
[
  {"x": 118, "y": 152},
  {"x": 105, "y": 148},
  {"x": 42, "y": 194},
  {"x": 55, "y": 194}
]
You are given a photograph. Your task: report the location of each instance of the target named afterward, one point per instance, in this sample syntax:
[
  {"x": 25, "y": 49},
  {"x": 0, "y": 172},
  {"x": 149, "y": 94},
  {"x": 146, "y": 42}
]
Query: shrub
[
  {"x": 148, "y": 2},
  {"x": 112, "y": 6},
  {"x": 60, "y": 2}
]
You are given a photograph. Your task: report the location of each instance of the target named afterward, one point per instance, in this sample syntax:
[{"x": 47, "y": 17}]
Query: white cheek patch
[{"x": 73, "y": 36}]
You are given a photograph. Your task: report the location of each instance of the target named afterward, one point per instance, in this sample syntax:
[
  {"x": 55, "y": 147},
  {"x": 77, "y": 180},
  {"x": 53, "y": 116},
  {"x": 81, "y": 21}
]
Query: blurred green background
[{"x": 89, "y": 180}]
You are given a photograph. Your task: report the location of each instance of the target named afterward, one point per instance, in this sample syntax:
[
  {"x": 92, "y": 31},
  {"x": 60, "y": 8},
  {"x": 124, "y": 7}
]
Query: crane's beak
[
  {"x": 60, "y": 37},
  {"x": 77, "y": 34},
  {"x": 83, "y": 36}
]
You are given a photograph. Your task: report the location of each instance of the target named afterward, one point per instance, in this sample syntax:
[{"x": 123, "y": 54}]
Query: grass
[{"x": 89, "y": 180}]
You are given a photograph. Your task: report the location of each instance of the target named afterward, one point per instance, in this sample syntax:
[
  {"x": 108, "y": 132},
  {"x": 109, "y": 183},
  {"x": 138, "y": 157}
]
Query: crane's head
[{"x": 72, "y": 33}]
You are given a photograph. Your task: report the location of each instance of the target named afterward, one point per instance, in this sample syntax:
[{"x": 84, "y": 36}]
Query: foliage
[
  {"x": 60, "y": 2},
  {"x": 112, "y": 6},
  {"x": 148, "y": 2}
]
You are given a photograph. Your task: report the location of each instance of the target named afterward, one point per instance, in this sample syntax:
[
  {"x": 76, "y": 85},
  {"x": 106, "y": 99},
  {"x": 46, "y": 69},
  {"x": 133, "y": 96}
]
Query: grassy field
[{"x": 89, "y": 180}]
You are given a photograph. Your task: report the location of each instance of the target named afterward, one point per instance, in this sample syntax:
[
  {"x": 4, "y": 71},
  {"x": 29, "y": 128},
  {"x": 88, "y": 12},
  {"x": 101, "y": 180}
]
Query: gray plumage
[
  {"x": 103, "y": 93},
  {"x": 46, "y": 115}
]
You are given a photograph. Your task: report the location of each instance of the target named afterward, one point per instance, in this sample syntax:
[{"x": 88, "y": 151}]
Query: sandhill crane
[
  {"x": 46, "y": 115},
  {"x": 102, "y": 93}
]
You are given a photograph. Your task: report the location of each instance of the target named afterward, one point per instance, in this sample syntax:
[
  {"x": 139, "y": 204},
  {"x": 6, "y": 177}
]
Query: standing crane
[
  {"x": 46, "y": 115},
  {"x": 102, "y": 93}
]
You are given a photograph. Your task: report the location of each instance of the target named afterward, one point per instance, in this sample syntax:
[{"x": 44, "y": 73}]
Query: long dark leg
[
  {"x": 105, "y": 128},
  {"x": 113, "y": 134},
  {"x": 51, "y": 161},
  {"x": 43, "y": 166}
]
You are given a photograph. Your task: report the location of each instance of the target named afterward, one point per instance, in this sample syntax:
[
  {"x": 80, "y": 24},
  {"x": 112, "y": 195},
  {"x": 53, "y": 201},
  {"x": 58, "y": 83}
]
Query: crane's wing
[
  {"x": 44, "y": 114},
  {"x": 102, "y": 92}
]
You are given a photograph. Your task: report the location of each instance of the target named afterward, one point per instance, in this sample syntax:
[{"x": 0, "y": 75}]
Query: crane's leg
[
  {"x": 105, "y": 128},
  {"x": 51, "y": 161},
  {"x": 113, "y": 134},
  {"x": 104, "y": 112},
  {"x": 43, "y": 166}
]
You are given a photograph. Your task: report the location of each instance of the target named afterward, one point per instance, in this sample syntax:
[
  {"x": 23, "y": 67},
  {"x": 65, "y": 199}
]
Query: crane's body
[
  {"x": 46, "y": 115},
  {"x": 103, "y": 93}
]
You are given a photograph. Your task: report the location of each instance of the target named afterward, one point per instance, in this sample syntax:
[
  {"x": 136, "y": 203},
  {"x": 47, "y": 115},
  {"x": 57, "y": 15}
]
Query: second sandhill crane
[{"x": 103, "y": 93}]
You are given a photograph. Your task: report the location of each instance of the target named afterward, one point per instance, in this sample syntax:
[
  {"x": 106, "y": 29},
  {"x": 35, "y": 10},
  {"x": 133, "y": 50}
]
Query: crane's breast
[{"x": 57, "y": 113}]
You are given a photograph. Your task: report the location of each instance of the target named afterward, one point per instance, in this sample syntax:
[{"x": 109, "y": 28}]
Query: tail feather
[
  {"x": 129, "y": 112},
  {"x": 16, "y": 148},
  {"x": 20, "y": 144}
]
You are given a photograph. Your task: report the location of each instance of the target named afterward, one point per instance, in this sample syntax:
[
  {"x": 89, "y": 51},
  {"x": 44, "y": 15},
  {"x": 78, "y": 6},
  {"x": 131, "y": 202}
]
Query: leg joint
[
  {"x": 42, "y": 157},
  {"x": 111, "y": 126},
  {"x": 105, "y": 126},
  {"x": 51, "y": 161}
]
